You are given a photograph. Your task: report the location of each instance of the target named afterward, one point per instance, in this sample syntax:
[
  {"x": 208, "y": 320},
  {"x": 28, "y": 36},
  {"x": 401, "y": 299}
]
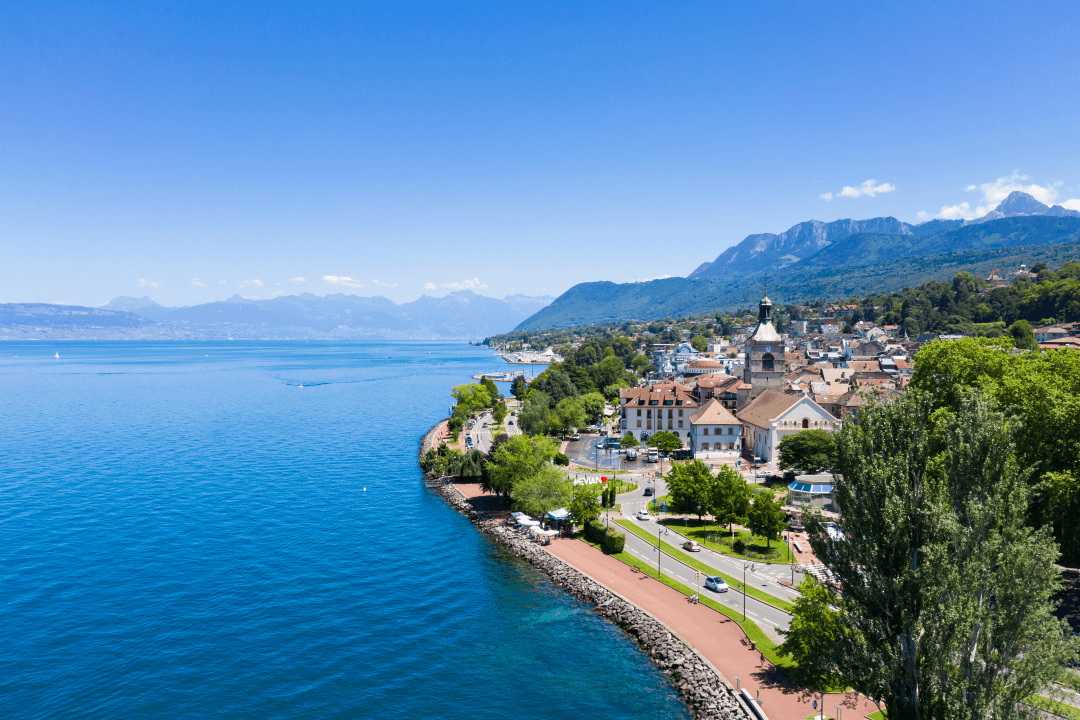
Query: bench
[{"x": 798, "y": 548}]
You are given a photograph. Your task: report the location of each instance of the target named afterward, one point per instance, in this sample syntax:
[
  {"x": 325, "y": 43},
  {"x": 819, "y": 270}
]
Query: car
[
  {"x": 509, "y": 422},
  {"x": 484, "y": 425},
  {"x": 600, "y": 443},
  {"x": 643, "y": 515},
  {"x": 716, "y": 584},
  {"x": 692, "y": 546},
  {"x": 648, "y": 492},
  {"x": 575, "y": 436}
]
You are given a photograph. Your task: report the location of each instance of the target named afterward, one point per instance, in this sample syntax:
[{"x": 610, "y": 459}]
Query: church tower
[{"x": 764, "y": 355}]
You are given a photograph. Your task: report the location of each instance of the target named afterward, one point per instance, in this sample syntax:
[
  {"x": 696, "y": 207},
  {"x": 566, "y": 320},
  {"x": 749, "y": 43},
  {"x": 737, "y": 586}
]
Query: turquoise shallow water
[{"x": 185, "y": 532}]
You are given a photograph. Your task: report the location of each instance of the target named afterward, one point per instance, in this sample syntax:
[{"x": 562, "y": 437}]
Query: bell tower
[{"x": 764, "y": 354}]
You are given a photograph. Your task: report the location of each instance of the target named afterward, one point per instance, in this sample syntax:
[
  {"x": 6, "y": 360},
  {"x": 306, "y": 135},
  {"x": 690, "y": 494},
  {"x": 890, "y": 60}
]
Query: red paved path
[{"x": 716, "y": 637}]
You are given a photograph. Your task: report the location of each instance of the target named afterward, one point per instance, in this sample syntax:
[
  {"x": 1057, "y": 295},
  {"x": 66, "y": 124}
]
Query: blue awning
[{"x": 808, "y": 488}]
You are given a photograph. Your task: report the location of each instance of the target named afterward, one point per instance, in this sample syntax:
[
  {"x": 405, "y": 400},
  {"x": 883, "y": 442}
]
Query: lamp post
[{"x": 744, "y": 593}]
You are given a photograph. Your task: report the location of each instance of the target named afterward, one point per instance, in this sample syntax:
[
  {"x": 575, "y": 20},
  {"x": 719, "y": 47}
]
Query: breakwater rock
[{"x": 704, "y": 690}]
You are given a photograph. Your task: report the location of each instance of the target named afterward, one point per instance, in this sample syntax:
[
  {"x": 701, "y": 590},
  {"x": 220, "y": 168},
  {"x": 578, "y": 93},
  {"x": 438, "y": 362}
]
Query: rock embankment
[{"x": 708, "y": 695}]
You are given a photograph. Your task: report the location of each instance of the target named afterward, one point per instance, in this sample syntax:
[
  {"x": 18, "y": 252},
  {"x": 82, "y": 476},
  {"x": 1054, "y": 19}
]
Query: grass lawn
[
  {"x": 720, "y": 540},
  {"x": 1058, "y": 708},
  {"x": 690, "y": 561},
  {"x": 621, "y": 486},
  {"x": 755, "y": 633},
  {"x": 879, "y": 715}
]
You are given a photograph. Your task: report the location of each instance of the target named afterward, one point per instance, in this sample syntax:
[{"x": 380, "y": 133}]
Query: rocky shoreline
[{"x": 704, "y": 690}]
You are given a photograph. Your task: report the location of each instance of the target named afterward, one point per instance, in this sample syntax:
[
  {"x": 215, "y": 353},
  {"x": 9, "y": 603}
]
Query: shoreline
[{"x": 701, "y": 687}]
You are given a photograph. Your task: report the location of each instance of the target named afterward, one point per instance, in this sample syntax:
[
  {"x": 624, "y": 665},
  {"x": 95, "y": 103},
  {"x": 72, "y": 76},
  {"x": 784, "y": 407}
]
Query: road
[{"x": 481, "y": 435}]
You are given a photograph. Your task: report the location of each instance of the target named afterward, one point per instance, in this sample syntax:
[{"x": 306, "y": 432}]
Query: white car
[
  {"x": 716, "y": 584},
  {"x": 643, "y": 515}
]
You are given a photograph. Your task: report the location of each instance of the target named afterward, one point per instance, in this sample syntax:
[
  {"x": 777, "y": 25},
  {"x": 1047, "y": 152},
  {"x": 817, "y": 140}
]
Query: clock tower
[{"x": 764, "y": 355}]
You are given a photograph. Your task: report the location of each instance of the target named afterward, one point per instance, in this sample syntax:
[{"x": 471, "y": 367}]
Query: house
[
  {"x": 722, "y": 387},
  {"x": 773, "y": 415},
  {"x": 1061, "y": 344},
  {"x": 1048, "y": 334},
  {"x": 666, "y": 405},
  {"x": 715, "y": 432}
]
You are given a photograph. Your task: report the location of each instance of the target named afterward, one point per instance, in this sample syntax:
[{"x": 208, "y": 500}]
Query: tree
[
  {"x": 640, "y": 364},
  {"x": 568, "y": 414},
  {"x": 807, "y": 451},
  {"x": 472, "y": 466},
  {"x": 699, "y": 343},
  {"x": 542, "y": 492},
  {"x": 814, "y": 630},
  {"x": 492, "y": 389},
  {"x": 471, "y": 397},
  {"x": 556, "y": 384},
  {"x": 593, "y": 405},
  {"x": 519, "y": 458},
  {"x": 1023, "y": 336},
  {"x": 730, "y": 498},
  {"x": 608, "y": 371},
  {"x": 519, "y": 387},
  {"x": 766, "y": 518},
  {"x": 535, "y": 416},
  {"x": 499, "y": 412},
  {"x": 584, "y": 506},
  {"x": 628, "y": 441},
  {"x": 691, "y": 486},
  {"x": 947, "y": 596}
]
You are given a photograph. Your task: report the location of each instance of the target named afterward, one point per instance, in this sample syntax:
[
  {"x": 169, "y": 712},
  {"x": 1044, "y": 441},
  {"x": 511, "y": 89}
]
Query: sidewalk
[{"x": 713, "y": 635}]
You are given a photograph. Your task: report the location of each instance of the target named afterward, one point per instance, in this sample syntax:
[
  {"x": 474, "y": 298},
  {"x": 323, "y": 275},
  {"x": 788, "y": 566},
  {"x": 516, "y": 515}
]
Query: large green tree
[
  {"x": 546, "y": 490},
  {"x": 584, "y": 505},
  {"x": 730, "y": 498},
  {"x": 569, "y": 414},
  {"x": 471, "y": 397},
  {"x": 665, "y": 441},
  {"x": 519, "y": 458},
  {"x": 807, "y": 451},
  {"x": 690, "y": 485},
  {"x": 947, "y": 595},
  {"x": 766, "y": 517},
  {"x": 1040, "y": 392},
  {"x": 593, "y": 404},
  {"x": 519, "y": 387},
  {"x": 535, "y": 417},
  {"x": 814, "y": 631}
]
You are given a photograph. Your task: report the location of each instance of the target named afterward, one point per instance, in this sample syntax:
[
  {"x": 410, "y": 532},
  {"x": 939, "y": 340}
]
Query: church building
[{"x": 764, "y": 357}]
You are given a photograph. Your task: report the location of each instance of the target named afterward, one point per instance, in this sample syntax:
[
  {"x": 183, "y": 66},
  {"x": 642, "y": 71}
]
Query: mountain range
[
  {"x": 817, "y": 260},
  {"x": 458, "y": 315}
]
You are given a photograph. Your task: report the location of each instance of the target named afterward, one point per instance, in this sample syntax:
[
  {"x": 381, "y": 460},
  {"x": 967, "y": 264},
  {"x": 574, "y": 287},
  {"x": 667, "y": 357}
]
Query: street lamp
[{"x": 744, "y": 593}]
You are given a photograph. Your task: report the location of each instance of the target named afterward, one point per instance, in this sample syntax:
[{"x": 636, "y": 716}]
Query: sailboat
[{"x": 57, "y": 356}]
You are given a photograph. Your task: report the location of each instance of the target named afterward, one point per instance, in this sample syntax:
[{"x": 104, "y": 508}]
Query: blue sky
[{"x": 192, "y": 151}]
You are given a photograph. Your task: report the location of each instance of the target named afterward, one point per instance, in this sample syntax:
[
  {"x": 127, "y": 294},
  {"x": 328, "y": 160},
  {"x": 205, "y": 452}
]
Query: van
[
  {"x": 631, "y": 454},
  {"x": 654, "y": 456}
]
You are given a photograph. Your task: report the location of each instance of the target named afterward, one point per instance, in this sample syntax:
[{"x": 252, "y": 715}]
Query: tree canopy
[
  {"x": 766, "y": 517},
  {"x": 691, "y": 487},
  {"x": 518, "y": 459},
  {"x": 546, "y": 490},
  {"x": 807, "y": 451}
]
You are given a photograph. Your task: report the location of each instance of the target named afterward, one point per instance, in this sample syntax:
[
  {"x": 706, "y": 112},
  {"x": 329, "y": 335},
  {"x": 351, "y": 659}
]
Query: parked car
[
  {"x": 653, "y": 456},
  {"x": 509, "y": 422},
  {"x": 648, "y": 492},
  {"x": 575, "y": 436},
  {"x": 643, "y": 515},
  {"x": 716, "y": 584},
  {"x": 692, "y": 546}
]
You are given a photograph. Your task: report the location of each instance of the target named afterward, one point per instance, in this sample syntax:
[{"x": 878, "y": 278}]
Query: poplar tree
[{"x": 946, "y": 595}]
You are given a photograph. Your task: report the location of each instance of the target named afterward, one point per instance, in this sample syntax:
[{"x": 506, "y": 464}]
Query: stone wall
[{"x": 708, "y": 695}]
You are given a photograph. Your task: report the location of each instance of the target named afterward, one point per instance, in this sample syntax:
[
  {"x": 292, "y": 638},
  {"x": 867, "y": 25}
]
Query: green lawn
[
  {"x": 752, "y": 630},
  {"x": 1058, "y": 708},
  {"x": 879, "y": 715},
  {"x": 621, "y": 486},
  {"x": 690, "y": 561},
  {"x": 720, "y": 540}
]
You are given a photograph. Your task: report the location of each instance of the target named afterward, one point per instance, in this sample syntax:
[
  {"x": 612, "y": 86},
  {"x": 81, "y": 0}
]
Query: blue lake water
[{"x": 185, "y": 532}]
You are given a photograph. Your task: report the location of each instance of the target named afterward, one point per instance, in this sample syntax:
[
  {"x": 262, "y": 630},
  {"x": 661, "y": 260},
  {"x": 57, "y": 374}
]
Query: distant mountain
[
  {"x": 126, "y": 303},
  {"x": 1019, "y": 204},
  {"x": 459, "y": 315},
  {"x": 858, "y": 264},
  {"x": 41, "y": 321}
]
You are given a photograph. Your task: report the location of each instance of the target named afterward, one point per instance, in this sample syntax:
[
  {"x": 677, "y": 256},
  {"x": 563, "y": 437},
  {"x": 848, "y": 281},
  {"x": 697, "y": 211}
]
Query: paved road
[
  {"x": 766, "y": 616},
  {"x": 765, "y": 576},
  {"x": 482, "y": 435}
]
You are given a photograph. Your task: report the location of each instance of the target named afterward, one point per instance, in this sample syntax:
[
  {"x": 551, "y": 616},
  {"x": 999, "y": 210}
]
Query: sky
[{"x": 190, "y": 151}]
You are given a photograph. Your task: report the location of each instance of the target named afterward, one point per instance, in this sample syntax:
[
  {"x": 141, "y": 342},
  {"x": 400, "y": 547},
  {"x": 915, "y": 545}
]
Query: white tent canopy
[{"x": 560, "y": 514}]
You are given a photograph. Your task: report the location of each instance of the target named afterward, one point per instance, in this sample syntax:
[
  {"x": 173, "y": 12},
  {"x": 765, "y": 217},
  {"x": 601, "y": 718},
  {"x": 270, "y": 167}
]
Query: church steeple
[{"x": 765, "y": 307}]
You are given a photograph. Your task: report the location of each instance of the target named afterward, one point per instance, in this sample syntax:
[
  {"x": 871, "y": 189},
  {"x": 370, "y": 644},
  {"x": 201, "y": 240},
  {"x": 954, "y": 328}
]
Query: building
[
  {"x": 722, "y": 387},
  {"x": 1049, "y": 334},
  {"x": 807, "y": 491},
  {"x": 774, "y": 415},
  {"x": 765, "y": 354},
  {"x": 715, "y": 432},
  {"x": 665, "y": 405}
]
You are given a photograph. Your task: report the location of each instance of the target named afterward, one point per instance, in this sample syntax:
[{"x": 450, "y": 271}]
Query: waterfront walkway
[{"x": 720, "y": 640}]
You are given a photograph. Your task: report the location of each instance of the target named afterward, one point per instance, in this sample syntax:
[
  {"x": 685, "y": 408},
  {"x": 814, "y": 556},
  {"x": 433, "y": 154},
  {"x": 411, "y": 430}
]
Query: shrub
[
  {"x": 594, "y": 530},
  {"x": 612, "y": 542},
  {"x": 561, "y": 459},
  {"x": 739, "y": 546}
]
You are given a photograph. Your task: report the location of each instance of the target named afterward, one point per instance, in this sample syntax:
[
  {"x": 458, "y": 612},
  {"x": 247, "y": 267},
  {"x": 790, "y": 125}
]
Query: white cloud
[
  {"x": 298, "y": 279},
  {"x": 658, "y": 277},
  {"x": 248, "y": 283},
  {"x": 923, "y": 216},
  {"x": 278, "y": 292},
  {"x": 382, "y": 284},
  {"x": 870, "y": 188},
  {"x": 143, "y": 282},
  {"x": 342, "y": 280},
  {"x": 198, "y": 282},
  {"x": 994, "y": 192},
  {"x": 473, "y": 284},
  {"x": 429, "y": 286}
]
